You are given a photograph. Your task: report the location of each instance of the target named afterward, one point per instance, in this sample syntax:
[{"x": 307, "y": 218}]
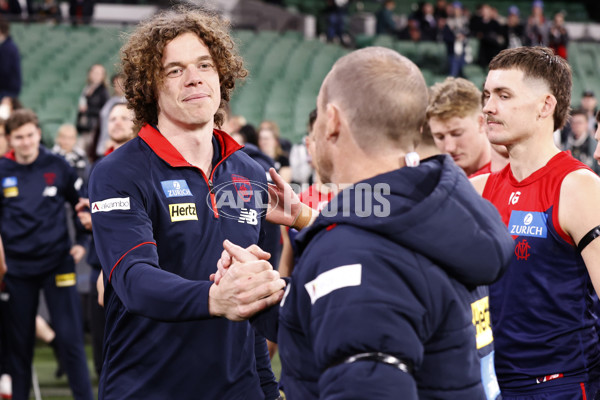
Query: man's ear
[
  {"x": 548, "y": 107},
  {"x": 333, "y": 122}
]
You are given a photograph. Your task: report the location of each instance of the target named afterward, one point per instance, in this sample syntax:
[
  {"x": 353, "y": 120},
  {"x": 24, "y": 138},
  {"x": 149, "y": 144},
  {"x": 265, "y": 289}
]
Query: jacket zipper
[
  {"x": 209, "y": 182},
  {"x": 213, "y": 201}
]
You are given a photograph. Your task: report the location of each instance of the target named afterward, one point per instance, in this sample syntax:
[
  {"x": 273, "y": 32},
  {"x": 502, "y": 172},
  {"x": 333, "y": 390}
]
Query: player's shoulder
[
  {"x": 348, "y": 243},
  {"x": 247, "y": 165},
  {"x": 129, "y": 162},
  {"x": 129, "y": 156},
  {"x": 479, "y": 182},
  {"x": 581, "y": 180},
  {"x": 6, "y": 163}
]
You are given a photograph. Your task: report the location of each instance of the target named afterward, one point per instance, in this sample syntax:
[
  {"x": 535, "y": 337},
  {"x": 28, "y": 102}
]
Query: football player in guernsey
[
  {"x": 160, "y": 213},
  {"x": 542, "y": 308},
  {"x": 454, "y": 113}
]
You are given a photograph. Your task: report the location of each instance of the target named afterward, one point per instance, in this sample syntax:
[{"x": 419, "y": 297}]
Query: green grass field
[{"x": 52, "y": 388}]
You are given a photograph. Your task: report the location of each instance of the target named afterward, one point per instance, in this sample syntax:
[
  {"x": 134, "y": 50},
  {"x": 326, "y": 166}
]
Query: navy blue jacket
[
  {"x": 10, "y": 69},
  {"x": 32, "y": 212},
  {"x": 384, "y": 268},
  {"x": 159, "y": 224},
  {"x": 272, "y": 242}
]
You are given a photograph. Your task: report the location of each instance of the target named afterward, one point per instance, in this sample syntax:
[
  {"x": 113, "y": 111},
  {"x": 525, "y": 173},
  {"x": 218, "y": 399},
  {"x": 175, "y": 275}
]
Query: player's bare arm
[{"x": 579, "y": 214}]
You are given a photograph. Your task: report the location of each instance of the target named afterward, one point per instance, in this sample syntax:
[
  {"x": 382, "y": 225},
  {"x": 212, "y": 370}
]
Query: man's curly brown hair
[{"x": 141, "y": 58}]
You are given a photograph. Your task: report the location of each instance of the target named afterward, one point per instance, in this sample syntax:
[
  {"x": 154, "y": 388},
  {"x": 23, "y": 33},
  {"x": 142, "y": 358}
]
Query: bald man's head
[{"x": 382, "y": 95}]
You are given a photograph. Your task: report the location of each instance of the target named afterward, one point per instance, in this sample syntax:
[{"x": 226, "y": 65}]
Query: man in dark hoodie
[{"x": 377, "y": 306}]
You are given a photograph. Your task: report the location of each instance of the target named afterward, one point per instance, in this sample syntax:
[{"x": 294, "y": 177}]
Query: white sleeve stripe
[{"x": 336, "y": 278}]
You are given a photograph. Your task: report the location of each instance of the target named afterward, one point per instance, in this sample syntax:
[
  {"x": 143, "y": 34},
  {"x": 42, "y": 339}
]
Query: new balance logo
[{"x": 248, "y": 216}]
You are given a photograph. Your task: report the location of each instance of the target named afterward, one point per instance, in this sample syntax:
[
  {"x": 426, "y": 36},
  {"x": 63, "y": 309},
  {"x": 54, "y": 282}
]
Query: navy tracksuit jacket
[
  {"x": 36, "y": 242},
  {"x": 387, "y": 267},
  {"x": 159, "y": 225}
]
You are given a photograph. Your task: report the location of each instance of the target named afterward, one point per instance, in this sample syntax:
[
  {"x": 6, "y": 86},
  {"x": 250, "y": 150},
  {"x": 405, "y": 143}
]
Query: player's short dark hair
[
  {"x": 20, "y": 117},
  {"x": 579, "y": 111},
  {"x": 541, "y": 63}
]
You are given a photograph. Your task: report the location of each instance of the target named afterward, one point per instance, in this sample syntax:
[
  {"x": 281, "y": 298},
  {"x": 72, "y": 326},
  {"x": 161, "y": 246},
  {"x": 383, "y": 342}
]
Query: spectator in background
[
  {"x": 285, "y": 144},
  {"x": 302, "y": 171},
  {"x": 514, "y": 30},
  {"x": 427, "y": 22},
  {"x": 441, "y": 9},
  {"x": 336, "y": 14},
  {"x": 10, "y": 7},
  {"x": 49, "y": 10},
  {"x": 488, "y": 30},
  {"x": 102, "y": 137},
  {"x": 81, "y": 11},
  {"x": 93, "y": 97},
  {"x": 581, "y": 141},
  {"x": 10, "y": 63},
  {"x": 268, "y": 142},
  {"x": 455, "y": 35},
  {"x": 558, "y": 37},
  {"x": 66, "y": 146},
  {"x": 385, "y": 19},
  {"x": 589, "y": 104},
  {"x": 411, "y": 31},
  {"x": 536, "y": 30}
]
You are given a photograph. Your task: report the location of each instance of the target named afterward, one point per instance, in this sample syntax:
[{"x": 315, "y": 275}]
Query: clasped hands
[{"x": 245, "y": 282}]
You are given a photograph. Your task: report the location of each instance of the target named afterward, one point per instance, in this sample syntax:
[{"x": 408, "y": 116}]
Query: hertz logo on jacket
[{"x": 183, "y": 212}]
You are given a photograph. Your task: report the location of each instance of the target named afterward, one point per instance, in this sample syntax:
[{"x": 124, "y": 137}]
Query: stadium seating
[{"x": 286, "y": 70}]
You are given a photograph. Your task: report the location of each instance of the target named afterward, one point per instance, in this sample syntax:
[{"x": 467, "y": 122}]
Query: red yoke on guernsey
[
  {"x": 486, "y": 169},
  {"x": 541, "y": 308}
]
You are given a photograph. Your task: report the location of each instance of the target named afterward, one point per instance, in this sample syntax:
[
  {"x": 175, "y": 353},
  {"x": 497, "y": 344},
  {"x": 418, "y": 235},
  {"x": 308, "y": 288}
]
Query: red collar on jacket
[{"x": 165, "y": 150}]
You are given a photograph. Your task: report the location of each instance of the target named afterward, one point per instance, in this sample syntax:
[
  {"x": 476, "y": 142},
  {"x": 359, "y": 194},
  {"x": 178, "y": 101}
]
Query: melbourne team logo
[
  {"x": 522, "y": 250},
  {"x": 50, "y": 190},
  {"x": 528, "y": 223},
  {"x": 50, "y": 178},
  {"x": 243, "y": 187},
  {"x": 9, "y": 186},
  {"x": 176, "y": 188},
  {"x": 241, "y": 199}
]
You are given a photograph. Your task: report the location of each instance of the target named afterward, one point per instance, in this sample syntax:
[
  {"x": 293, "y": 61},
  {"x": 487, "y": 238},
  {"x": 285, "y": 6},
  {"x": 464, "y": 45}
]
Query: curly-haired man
[{"x": 159, "y": 224}]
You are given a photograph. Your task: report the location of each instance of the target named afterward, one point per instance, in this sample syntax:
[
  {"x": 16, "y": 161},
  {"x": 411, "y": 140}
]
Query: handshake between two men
[{"x": 245, "y": 283}]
